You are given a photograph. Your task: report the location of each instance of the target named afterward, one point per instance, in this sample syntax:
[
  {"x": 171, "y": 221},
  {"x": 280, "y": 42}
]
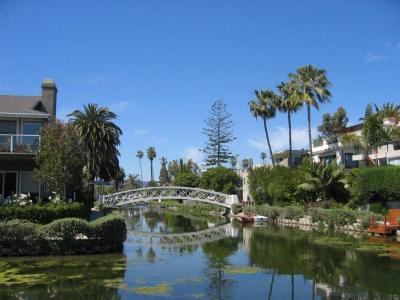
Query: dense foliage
[
  {"x": 220, "y": 179},
  {"x": 377, "y": 184},
  {"x": 219, "y": 133},
  {"x": 186, "y": 179},
  {"x": 44, "y": 214},
  {"x": 59, "y": 160},
  {"x": 110, "y": 230},
  {"x": 275, "y": 186}
]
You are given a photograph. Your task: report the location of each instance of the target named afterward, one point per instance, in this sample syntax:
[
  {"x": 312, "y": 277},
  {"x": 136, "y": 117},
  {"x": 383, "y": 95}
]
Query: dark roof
[
  {"x": 21, "y": 105},
  {"x": 352, "y": 128}
]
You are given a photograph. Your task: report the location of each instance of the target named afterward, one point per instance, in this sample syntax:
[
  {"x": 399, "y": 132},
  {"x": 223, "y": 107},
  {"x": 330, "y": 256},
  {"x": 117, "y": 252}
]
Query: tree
[
  {"x": 151, "y": 154},
  {"x": 323, "y": 181},
  {"x": 220, "y": 179},
  {"x": 139, "y": 155},
  {"x": 219, "y": 133},
  {"x": 331, "y": 124},
  {"x": 312, "y": 85},
  {"x": 247, "y": 163},
  {"x": 263, "y": 157},
  {"x": 164, "y": 176},
  {"x": 373, "y": 131},
  {"x": 186, "y": 179},
  {"x": 389, "y": 110},
  {"x": 59, "y": 161},
  {"x": 289, "y": 102},
  {"x": 233, "y": 162},
  {"x": 119, "y": 178},
  {"x": 133, "y": 182},
  {"x": 100, "y": 137},
  {"x": 264, "y": 106},
  {"x": 175, "y": 167}
]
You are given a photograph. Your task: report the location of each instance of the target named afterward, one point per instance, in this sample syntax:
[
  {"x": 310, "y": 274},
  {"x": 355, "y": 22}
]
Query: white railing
[{"x": 19, "y": 143}]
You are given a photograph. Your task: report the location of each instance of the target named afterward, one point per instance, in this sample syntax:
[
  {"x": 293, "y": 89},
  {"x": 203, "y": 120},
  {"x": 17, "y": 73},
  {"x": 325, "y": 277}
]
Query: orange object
[{"x": 390, "y": 223}]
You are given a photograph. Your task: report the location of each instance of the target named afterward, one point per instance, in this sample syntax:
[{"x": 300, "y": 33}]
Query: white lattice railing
[{"x": 170, "y": 192}]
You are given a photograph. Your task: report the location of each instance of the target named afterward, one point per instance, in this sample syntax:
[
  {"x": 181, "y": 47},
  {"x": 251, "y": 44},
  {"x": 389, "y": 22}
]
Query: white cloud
[
  {"x": 280, "y": 139},
  {"x": 193, "y": 153},
  {"x": 372, "y": 57},
  {"x": 139, "y": 132},
  {"x": 119, "y": 106}
]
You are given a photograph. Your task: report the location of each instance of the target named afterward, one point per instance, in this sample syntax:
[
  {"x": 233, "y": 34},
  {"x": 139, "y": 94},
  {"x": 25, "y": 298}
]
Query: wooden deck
[{"x": 389, "y": 225}]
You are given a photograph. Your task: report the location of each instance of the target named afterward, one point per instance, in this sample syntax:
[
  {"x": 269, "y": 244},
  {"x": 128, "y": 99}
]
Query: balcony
[{"x": 19, "y": 143}]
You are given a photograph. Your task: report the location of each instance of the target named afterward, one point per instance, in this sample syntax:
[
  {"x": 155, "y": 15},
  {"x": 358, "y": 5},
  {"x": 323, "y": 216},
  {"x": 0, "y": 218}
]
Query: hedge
[
  {"x": 62, "y": 236},
  {"x": 333, "y": 218},
  {"x": 45, "y": 213},
  {"x": 377, "y": 184}
]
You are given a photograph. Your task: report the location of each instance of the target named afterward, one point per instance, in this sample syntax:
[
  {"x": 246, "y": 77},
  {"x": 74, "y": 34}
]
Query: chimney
[{"x": 49, "y": 96}]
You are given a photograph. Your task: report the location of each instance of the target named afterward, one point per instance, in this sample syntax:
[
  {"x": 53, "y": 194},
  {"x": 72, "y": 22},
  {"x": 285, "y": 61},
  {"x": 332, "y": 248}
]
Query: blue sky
[{"x": 161, "y": 64}]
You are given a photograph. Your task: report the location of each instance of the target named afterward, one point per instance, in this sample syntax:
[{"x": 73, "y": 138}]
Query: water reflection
[{"x": 184, "y": 257}]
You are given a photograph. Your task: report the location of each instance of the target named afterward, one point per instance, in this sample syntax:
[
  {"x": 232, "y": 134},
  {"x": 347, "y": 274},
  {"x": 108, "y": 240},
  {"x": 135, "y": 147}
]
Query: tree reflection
[{"x": 217, "y": 254}]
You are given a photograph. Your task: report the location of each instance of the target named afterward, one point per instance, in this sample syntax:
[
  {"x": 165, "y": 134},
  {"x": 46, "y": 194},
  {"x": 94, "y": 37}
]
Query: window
[
  {"x": 31, "y": 127},
  {"x": 28, "y": 183},
  {"x": 328, "y": 159},
  {"x": 8, "y": 127},
  {"x": 349, "y": 162}
]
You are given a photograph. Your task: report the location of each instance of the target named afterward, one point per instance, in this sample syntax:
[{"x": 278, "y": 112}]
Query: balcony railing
[{"x": 19, "y": 143}]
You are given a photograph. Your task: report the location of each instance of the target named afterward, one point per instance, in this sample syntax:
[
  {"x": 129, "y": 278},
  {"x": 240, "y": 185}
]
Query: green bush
[
  {"x": 365, "y": 218},
  {"x": 317, "y": 214},
  {"x": 292, "y": 213},
  {"x": 44, "y": 214},
  {"x": 340, "y": 217},
  {"x": 186, "y": 179},
  {"x": 377, "y": 184},
  {"x": 236, "y": 208},
  {"x": 67, "y": 229},
  {"x": 378, "y": 208},
  {"x": 276, "y": 186},
  {"x": 110, "y": 228},
  {"x": 272, "y": 212},
  {"x": 220, "y": 179}
]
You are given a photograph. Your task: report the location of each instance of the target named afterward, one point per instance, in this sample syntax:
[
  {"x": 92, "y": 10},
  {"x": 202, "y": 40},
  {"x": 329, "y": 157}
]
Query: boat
[
  {"x": 258, "y": 219},
  {"x": 249, "y": 218}
]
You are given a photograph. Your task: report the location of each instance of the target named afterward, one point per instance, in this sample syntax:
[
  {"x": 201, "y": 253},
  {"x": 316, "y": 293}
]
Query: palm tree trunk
[
  {"x": 141, "y": 175},
  {"x": 269, "y": 144},
  {"x": 309, "y": 131},
  {"x": 290, "y": 139},
  {"x": 151, "y": 170}
]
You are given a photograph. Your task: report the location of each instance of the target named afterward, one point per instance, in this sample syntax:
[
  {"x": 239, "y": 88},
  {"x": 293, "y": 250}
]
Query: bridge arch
[{"x": 170, "y": 192}]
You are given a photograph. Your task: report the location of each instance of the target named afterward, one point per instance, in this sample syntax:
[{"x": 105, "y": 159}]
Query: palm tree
[
  {"x": 389, "y": 110},
  {"x": 119, "y": 178},
  {"x": 264, "y": 106},
  {"x": 289, "y": 103},
  {"x": 312, "y": 85},
  {"x": 263, "y": 156},
  {"x": 133, "y": 182},
  {"x": 139, "y": 155},
  {"x": 100, "y": 137},
  {"x": 151, "y": 154}
]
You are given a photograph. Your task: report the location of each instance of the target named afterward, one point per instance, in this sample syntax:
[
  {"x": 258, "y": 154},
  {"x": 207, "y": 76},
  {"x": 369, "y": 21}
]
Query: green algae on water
[
  {"x": 241, "y": 270},
  {"x": 159, "y": 289}
]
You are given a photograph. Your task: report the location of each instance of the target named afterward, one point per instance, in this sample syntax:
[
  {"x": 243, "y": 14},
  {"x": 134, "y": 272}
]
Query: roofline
[{"x": 31, "y": 115}]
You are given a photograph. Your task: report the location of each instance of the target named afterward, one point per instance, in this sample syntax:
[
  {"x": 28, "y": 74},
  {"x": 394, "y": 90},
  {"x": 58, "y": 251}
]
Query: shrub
[
  {"x": 292, "y": 213},
  {"x": 317, "y": 214},
  {"x": 111, "y": 229},
  {"x": 236, "y": 208},
  {"x": 365, "y": 218},
  {"x": 272, "y": 212},
  {"x": 220, "y": 179},
  {"x": 67, "y": 229},
  {"x": 19, "y": 230},
  {"x": 377, "y": 208},
  {"x": 186, "y": 179},
  {"x": 340, "y": 217},
  {"x": 44, "y": 214},
  {"x": 377, "y": 184}
]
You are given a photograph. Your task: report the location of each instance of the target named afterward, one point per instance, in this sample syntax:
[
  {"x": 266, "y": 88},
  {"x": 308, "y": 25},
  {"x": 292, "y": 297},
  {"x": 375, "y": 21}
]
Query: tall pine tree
[{"x": 219, "y": 133}]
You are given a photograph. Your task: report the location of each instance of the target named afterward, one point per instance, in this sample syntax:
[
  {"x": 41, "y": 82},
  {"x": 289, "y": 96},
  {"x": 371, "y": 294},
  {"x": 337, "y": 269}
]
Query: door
[{"x": 8, "y": 184}]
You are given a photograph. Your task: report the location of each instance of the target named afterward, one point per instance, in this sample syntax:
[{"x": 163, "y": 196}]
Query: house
[
  {"x": 282, "y": 158},
  {"x": 21, "y": 119},
  {"x": 332, "y": 149}
]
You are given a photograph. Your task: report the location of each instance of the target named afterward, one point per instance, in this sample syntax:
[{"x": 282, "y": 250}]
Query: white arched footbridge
[{"x": 170, "y": 192}]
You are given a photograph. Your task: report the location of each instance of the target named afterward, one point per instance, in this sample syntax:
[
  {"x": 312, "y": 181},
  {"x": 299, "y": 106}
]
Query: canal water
[{"x": 171, "y": 256}]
